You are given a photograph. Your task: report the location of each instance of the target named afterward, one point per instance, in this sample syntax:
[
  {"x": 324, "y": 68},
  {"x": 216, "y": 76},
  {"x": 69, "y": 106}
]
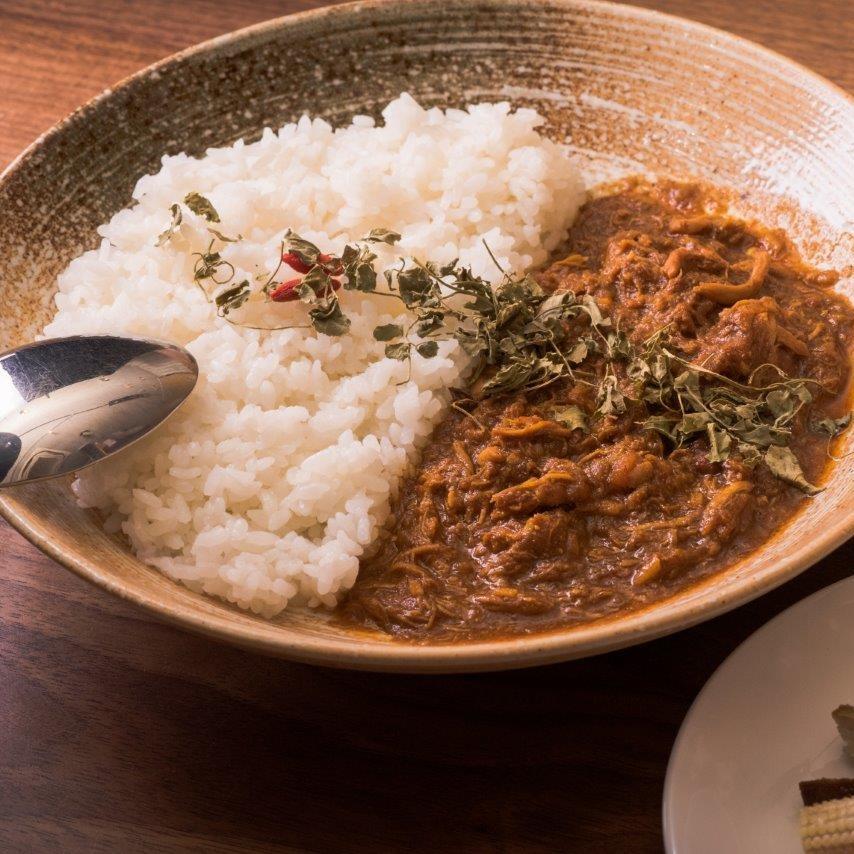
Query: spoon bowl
[{"x": 66, "y": 403}]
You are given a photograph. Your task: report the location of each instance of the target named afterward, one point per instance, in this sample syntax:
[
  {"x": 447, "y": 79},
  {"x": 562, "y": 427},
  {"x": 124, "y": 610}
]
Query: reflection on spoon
[{"x": 66, "y": 403}]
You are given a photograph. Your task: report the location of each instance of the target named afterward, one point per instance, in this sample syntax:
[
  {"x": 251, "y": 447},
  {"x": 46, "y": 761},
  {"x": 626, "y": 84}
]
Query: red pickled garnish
[
  {"x": 295, "y": 262},
  {"x": 286, "y": 291}
]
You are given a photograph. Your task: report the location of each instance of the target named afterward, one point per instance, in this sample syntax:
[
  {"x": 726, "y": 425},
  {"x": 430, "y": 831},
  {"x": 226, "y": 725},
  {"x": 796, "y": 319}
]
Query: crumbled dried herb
[
  {"x": 201, "y": 206},
  {"x": 232, "y": 298},
  {"x": 220, "y": 236},
  {"x": 210, "y": 265},
  {"x": 167, "y": 235},
  {"x": 784, "y": 464},
  {"x": 831, "y": 427},
  {"x": 609, "y": 398},
  {"x": 329, "y": 319},
  {"x": 686, "y": 400},
  {"x": 306, "y": 252},
  {"x": 521, "y": 338},
  {"x": 382, "y": 235},
  {"x": 358, "y": 266},
  {"x": 388, "y": 332},
  {"x": 398, "y": 351},
  {"x": 571, "y": 416},
  {"x": 517, "y": 334},
  {"x": 427, "y": 349}
]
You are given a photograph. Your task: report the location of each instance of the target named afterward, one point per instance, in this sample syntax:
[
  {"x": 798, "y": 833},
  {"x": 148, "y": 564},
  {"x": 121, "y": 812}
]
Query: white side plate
[{"x": 760, "y": 725}]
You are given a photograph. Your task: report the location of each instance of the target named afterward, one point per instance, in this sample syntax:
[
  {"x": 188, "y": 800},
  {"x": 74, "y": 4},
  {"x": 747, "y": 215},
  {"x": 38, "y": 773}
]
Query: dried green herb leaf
[
  {"x": 831, "y": 427},
  {"x": 664, "y": 424},
  {"x": 578, "y": 353},
  {"x": 329, "y": 320},
  {"x": 638, "y": 370},
  {"x": 398, "y": 351},
  {"x": 429, "y": 321},
  {"x": 784, "y": 464},
  {"x": 449, "y": 268},
  {"x": 750, "y": 455},
  {"x": 306, "y": 251},
  {"x": 362, "y": 277},
  {"x": 388, "y": 332},
  {"x": 350, "y": 255},
  {"x": 166, "y": 235},
  {"x": 318, "y": 280},
  {"x": 694, "y": 422},
  {"x": 659, "y": 368},
  {"x": 720, "y": 444},
  {"x": 306, "y": 293},
  {"x": 473, "y": 344},
  {"x": 592, "y": 308},
  {"x": 482, "y": 303},
  {"x": 510, "y": 377},
  {"x": 507, "y": 312},
  {"x": 358, "y": 265},
  {"x": 555, "y": 303},
  {"x": 211, "y": 265},
  {"x": 610, "y": 399},
  {"x": 382, "y": 235},
  {"x": 687, "y": 386},
  {"x": 220, "y": 236},
  {"x": 761, "y": 435},
  {"x": 232, "y": 298},
  {"x": 427, "y": 349},
  {"x": 414, "y": 285},
  {"x": 618, "y": 346},
  {"x": 573, "y": 417},
  {"x": 785, "y": 401},
  {"x": 201, "y": 206}
]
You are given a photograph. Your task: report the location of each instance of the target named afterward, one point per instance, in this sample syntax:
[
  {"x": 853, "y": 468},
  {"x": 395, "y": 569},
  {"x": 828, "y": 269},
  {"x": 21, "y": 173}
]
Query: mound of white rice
[{"x": 276, "y": 475}]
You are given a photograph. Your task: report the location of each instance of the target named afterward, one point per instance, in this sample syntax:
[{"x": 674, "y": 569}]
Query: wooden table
[{"x": 118, "y": 734}]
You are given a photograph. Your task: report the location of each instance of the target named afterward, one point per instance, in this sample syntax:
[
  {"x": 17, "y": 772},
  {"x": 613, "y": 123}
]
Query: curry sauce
[{"x": 516, "y": 522}]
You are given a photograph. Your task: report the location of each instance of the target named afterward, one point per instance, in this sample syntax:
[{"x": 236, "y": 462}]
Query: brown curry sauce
[{"x": 513, "y": 523}]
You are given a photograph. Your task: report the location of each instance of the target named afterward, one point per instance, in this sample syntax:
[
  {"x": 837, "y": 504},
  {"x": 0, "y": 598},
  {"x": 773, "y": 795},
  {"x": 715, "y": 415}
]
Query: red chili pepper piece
[
  {"x": 295, "y": 262},
  {"x": 286, "y": 291}
]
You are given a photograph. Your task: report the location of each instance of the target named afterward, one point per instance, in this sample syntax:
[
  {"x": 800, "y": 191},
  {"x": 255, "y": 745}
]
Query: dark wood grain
[{"x": 118, "y": 734}]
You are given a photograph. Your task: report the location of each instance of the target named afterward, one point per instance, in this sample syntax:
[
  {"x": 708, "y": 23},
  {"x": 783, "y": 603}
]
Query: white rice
[{"x": 274, "y": 477}]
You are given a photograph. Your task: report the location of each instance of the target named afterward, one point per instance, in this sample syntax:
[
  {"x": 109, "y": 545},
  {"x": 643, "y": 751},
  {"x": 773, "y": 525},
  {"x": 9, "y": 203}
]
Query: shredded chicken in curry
[{"x": 516, "y": 521}]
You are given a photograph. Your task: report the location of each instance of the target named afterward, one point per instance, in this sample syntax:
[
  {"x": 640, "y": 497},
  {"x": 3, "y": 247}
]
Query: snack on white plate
[
  {"x": 829, "y": 826},
  {"x": 844, "y": 718},
  {"x": 827, "y": 817}
]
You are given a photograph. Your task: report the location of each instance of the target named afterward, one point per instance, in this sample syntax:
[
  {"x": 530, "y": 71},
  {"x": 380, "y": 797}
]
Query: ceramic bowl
[{"x": 626, "y": 89}]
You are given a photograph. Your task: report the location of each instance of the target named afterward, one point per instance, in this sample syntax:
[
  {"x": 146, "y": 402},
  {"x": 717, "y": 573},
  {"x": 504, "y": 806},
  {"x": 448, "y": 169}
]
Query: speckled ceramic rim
[{"x": 373, "y": 654}]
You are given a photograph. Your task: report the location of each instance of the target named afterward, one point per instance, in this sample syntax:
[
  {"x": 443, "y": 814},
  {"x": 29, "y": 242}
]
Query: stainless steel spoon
[{"x": 66, "y": 403}]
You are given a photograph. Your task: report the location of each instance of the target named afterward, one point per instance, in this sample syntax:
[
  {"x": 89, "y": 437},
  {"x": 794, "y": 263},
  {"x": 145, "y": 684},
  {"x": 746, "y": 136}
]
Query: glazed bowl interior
[{"x": 627, "y": 90}]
